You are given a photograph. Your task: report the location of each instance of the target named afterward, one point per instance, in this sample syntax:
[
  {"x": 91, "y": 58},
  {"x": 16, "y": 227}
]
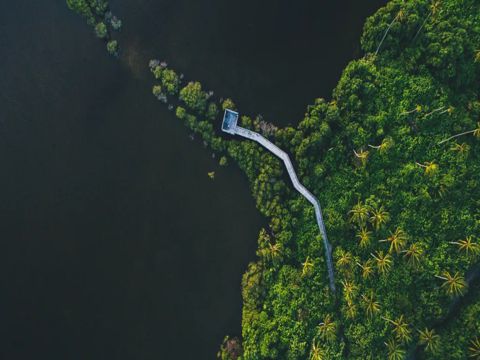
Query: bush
[
  {"x": 170, "y": 81},
  {"x": 157, "y": 72},
  {"x": 228, "y": 104},
  {"x": 212, "y": 111},
  {"x": 99, "y": 6},
  {"x": 194, "y": 97},
  {"x": 157, "y": 90},
  {"x": 231, "y": 349},
  {"x": 116, "y": 23},
  {"x": 180, "y": 112},
  {"x": 101, "y": 30},
  {"x": 223, "y": 161},
  {"x": 112, "y": 47}
]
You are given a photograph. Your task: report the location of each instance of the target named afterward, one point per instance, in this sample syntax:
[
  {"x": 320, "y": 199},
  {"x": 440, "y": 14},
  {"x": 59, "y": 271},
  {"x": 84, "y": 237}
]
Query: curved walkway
[{"x": 252, "y": 135}]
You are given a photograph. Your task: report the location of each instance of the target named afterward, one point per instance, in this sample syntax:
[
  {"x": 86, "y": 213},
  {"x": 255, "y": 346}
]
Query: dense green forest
[{"x": 394, "y": 160}]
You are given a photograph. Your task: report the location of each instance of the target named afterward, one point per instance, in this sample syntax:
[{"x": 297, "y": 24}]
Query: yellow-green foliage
[{"x": 394, "y": 160}]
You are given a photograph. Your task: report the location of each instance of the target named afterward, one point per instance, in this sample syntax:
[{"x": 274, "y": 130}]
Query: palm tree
[
  {"x": 435, "y": 7},
  {"x": 460, "y": 148},
  {"x": 274, "y": 251},
  {"x": 351, "y": 311},
  {"x": 413, "y": 255},
  {"x": 455, "y": 284},
  {"x": 384, "y": 146},
  {"x": 395, "y": 352},
  {"x": 397, "y": 240},
  {"x": 364, "y": 237},
  {"x": 359, "y": 214},
  {"x": 400, "y": 16},
  {"x": 433, "y": 10},
  {"x": 362, "y": 155},
  {"x": 430, "y": 340},
  {"x": 367, "y": 268},
  {"x": 417, "y": 108},
  {"x": 345, "y": 258},
  {"x": 448, "y": 110},
  {"x": 349, "y": 289},
  {"x": 379, "y": 217},
  {"x": 307, "y": 267},
  {"x": 401, "y": 328},
  {"x": 384, "y": 262},
  {"x": 328, "y": 329},
  {"x": 468, "y": 246},
  {"x": 430, "y": 167},
  {"x": 317, "y": 353},
  {"x": 475, "y": 132},
  {"x": 477, "y": 56},
  {"x": 474, "y": 349},
  {"x": 371, "y": 306}
]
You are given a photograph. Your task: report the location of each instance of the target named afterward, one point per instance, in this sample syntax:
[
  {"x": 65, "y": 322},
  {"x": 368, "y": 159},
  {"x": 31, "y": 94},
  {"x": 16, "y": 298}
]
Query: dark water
[{"x": 114, "y": 242}]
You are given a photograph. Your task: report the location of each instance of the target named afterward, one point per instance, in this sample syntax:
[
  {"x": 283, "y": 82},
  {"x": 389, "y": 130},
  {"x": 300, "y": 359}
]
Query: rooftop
[{"x": 230, "y": 119}]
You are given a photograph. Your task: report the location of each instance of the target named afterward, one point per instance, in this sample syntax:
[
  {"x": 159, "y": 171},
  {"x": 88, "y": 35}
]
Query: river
[{"x": 115, "y": 243}]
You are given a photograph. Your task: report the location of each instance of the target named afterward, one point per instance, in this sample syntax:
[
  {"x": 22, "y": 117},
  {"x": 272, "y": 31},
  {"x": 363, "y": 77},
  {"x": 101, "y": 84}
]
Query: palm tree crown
[
  {"x": 359, "y": 214},
  {"x": 455, "y": 284},
  {"x": 364, "y": 237},
  {"x": 384, "y": 261},
  {"x": 349, "y": 289},
  {"x": 371, "y": 306},
  {"x": 468, "y": 246},
  {"x": 476, "y": 132},
  {"x": 461, "y": 148},
  {"x": 345, "y": 258},
  {"x": 430, "y": 167},
  {"x": 351, "y": 311},
  {"x": 384, "y": 145},
  {"x": 362, "y": 155},
  {"x": 397, "y": 240},
  {"x": 367, "y": 268},
  {"x": 413, "y": 255},
  {"x": 274, "y": 251},
  {"x": 430, "y": 340},
  {"x": 379, "y": 217},
  {"x": 474, "y": 349},
  {"x": 317, "y": 353},
  {"x": 477, "y": 56},
  {"x": 401, "y": 328},
  {"x": 328, "y": 329},
  {"x": 307, "y": 267},
  {"x": 395, "y": 352}
]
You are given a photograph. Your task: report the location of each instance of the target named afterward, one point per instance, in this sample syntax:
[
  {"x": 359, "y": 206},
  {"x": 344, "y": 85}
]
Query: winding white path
[{"x": 252, "y": 135}]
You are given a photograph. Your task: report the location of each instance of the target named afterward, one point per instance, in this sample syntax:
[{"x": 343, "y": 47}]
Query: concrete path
[{"x": 252, "y": 135}]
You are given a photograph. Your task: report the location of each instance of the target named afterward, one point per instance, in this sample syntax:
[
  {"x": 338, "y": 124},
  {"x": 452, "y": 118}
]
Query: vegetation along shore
[{"x": 394, "y": 160}]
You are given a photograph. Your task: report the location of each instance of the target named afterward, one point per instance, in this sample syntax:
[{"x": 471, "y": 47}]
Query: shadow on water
[{"x": 115, "y": 244}]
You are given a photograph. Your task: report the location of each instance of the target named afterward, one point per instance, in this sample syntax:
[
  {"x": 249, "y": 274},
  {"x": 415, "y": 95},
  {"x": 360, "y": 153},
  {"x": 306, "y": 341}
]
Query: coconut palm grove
[{"x": 394, "y": 159}]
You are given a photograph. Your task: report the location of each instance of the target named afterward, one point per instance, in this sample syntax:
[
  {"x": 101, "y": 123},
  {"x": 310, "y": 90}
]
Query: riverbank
[{"x": 398, "y": 205}]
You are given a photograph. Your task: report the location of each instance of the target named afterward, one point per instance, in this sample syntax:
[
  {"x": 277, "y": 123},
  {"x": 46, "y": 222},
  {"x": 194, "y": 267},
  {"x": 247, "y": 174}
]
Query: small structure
[{"x": 230, "y": 119}]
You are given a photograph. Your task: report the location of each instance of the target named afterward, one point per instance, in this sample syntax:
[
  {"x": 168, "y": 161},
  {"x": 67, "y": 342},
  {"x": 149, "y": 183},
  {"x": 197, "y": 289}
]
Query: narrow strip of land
[{"x": 252, "y": 135}]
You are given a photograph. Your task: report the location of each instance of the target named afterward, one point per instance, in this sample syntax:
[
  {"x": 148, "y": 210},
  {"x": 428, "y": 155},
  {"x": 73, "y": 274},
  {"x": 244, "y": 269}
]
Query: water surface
[{"x": 115, "y": 243}]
